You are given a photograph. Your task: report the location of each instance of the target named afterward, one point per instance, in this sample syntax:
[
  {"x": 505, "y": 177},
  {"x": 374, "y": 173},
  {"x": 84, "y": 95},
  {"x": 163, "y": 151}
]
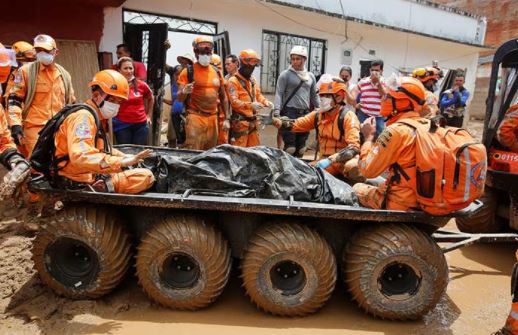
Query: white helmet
[{"x": 299, "y": 50}]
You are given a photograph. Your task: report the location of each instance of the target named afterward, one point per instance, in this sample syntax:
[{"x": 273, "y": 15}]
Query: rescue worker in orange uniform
[
  {"x": 223, "y": 126},
  {"x": 429, "y": 77},
  {"x": 338, "y": 146},
  {"x": 511, "y": 324},
  {"x": 10, "y": 158},
  {"x": 25, "y": 53},
  {"x": 396, "y": 144},
  {"x": 246, "y": 100},
  {"x": 41, "y": 89},
  {"x": 88, "y": 162},
  {"x": 507, "y": 133},
  {"x": 202, "y": 97}
]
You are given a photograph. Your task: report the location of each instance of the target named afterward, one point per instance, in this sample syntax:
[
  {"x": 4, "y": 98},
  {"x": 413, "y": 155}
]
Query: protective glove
[
  {"x": 17, "y": 134},
  {"x": 130, "y": 160},
  {"x": 19, "y": 172},
  {"x": 257, "y": 106},
  {"x": 324, "y": 163},
  {"x": 226, "y": 125},
  {"x": 187, "y": 89},
  {"x": 270, "y": 105},
  {"x": 276, "y": 113}
]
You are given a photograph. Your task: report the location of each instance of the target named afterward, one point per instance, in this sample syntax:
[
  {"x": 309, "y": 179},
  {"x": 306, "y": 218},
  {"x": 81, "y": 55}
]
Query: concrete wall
[{"x": 246, "y": 19}]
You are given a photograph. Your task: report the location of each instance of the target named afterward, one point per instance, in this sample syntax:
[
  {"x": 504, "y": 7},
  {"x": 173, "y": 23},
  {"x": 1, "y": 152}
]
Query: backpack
[
  {"x": 43, "y": 159},
  {"x": 341, "y": 128},
  {"x": 180, "y": 120},
  {"x": 450, "y": 167}
]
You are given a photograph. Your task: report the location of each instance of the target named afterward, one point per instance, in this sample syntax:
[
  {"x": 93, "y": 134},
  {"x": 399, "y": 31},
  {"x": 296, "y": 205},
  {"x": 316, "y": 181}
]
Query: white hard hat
[{"x": 299, "y": 50}]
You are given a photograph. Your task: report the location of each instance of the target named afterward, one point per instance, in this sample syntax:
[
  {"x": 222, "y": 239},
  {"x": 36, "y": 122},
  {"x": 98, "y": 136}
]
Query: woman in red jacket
[{"x": 131, "y": 124}]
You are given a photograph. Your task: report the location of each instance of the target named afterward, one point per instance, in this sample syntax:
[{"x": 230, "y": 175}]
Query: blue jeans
[
  {"x": 380, "y": 121},
  {"x": 136, "y": 133}
]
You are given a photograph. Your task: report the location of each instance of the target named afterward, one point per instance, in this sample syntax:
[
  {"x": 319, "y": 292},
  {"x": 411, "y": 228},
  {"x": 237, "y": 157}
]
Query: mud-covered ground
[{"x": 477, "y": 300}]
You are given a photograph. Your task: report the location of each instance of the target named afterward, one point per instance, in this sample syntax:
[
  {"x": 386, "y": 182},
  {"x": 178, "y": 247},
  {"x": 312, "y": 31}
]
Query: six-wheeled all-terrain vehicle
[
  {"x": 500, "y": 200},
  {"x": 291, "y": 253}
]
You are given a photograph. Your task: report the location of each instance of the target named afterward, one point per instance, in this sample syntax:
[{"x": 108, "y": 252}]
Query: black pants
[
  {"x": 455, "y": 121},
  {"x": 294, "y": 140}
]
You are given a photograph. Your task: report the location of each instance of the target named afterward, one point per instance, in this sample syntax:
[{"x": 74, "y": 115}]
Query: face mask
[
  {"x": 45, "y": 58},
  {"x": 246, "y": 70},
  {"x": 109, "y": 109},
  {"x": 325, "y": 104},
  {"x": 204, "y": 60}
]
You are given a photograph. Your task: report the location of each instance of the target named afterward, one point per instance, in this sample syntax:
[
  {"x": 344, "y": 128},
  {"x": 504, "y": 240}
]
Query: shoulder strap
[
  {"x": 243, "y": 84},
  {"x": 67, "y": 82},
  {"x": 292, "y": 94},
  {"x": 341, "y": 119},
  {"x": 317, "y": 114},
  {"x": 32, "y": 75}
]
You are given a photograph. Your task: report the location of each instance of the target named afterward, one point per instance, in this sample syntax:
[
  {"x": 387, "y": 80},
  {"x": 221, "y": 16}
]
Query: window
[
  {"x": 276, "y": 56},
  {"x": 178, "y": 24}
]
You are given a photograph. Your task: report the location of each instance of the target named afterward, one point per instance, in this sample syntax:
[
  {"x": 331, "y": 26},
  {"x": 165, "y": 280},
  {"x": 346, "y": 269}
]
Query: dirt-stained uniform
[
  {"x": 87, "y": 159},
  {"x": 244, "y": 124}
]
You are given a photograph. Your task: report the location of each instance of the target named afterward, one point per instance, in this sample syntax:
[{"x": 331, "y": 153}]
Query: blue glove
[{"x": 323, "y": 163}]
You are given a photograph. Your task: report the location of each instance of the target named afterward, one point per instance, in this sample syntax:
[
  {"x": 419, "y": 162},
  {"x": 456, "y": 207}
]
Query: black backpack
[{"x": 43, "y": 158}]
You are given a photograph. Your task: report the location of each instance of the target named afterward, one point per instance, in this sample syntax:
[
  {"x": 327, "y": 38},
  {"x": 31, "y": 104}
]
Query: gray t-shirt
[{"x": 306, "y": 95}]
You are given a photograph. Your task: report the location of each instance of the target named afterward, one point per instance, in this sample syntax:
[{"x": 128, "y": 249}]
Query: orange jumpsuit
[
  {"x": 201, "y": 127},
  {"x": 244, "y": 125},
  {"x": 49, "y": 99},
  {"x": 75, "y": 137},
  {"x": 6, "y": 141},
  {"x": 222, "y": 133},
  {"x": 396, "y": 144},
  {"x": 507, "y": 133},
  {"x": 329, "y": 140}
]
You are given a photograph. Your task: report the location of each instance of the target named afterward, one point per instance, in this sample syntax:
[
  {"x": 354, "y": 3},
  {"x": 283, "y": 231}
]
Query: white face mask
[
  {"x": 325, "y": 104},
  {"x": 109, "y": 109},
  {"x": 204, "y": 60},
  {"x": 45, "y": 58}
]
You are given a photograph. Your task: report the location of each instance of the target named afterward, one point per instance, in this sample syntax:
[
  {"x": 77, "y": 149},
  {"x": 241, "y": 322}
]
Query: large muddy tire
[
  {"x": 82, "y": 252},
  {"x": 395, "y": 271},
  {"x": 183, "y": 263},
  {"x": 288, "y": 270},
  {"x": 485, "y": 220}
]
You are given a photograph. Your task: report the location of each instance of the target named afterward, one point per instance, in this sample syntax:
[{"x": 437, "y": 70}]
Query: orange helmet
[
  {"x": 7, "y": 60},
  {"x": 333, "y": 87},
  {"x": 45, "y": 42},
  {"x": 216, "y": 61},
  {"x": 24, "y": 51},
  {"x": 202, "y": 39},
  {"x": 425, "y": 74},
  {"x": 249, "y": 57},
  {"x": 408, "y": 96},
  {"x": 111, "y": 82}
]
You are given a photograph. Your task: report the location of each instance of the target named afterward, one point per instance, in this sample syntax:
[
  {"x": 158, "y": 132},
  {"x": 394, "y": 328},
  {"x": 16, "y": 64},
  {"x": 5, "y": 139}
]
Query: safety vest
[{"x": 32, "y": 74}]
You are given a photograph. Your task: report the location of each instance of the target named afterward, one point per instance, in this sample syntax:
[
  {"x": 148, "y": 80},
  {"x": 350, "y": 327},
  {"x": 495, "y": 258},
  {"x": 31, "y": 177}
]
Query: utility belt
[
  {"x": 241, "y": 117},
  {"x": 198, "y": 112},
  {"x": 235, "y": 118}
]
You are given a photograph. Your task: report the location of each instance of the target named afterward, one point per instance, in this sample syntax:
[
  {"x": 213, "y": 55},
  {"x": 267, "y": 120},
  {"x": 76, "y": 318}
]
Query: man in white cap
[
  {"x": 40, "y": 90},
  {"x": 295, "y": 96}
]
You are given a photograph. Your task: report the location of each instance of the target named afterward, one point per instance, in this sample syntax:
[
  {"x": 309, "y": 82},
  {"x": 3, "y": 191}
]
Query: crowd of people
[
  {"x": 364, "y": 130},
  {"x": 357, "y": 126}
]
